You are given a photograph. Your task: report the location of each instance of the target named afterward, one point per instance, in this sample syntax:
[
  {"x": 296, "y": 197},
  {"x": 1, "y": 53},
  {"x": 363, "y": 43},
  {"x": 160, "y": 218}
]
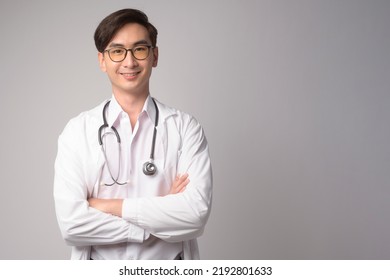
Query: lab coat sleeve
[
  {"x": 80, "y": 224},
  {"x": 183, "y": 216}
]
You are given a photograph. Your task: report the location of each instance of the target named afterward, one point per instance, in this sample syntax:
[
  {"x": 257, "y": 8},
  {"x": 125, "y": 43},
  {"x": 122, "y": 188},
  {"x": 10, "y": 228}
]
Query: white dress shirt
[{"x": 153, "y": 225}]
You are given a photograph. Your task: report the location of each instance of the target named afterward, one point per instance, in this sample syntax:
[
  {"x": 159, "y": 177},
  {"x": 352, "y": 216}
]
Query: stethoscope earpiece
[{"x": 149, "y": 168}]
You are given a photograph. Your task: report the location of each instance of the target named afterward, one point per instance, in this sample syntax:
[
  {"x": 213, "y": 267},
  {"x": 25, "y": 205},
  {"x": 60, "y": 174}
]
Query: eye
[
  {"x": 117, "y": 51},
  {"x": 140, "y": 49}
]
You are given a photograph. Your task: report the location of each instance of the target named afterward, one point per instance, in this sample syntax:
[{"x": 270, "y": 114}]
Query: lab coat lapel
[{"x": 162, "y": 128}]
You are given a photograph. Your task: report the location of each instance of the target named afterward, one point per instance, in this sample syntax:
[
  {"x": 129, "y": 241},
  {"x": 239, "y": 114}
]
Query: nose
[{"x": 129, "y": 61}]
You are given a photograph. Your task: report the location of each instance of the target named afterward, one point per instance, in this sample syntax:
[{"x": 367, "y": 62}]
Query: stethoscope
[{"x": 149, "y": 168}]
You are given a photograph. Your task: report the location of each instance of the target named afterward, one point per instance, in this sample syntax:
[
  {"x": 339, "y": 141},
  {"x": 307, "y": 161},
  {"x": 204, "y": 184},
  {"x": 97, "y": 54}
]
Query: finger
[
  {"x": 183, "y": 177},
  {"x": 179, "y": 180},
  {"x": 182, "y": 185}
]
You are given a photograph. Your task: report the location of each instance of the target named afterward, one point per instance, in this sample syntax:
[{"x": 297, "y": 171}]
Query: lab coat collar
[
  {"x": 149, "y": 109},
  {"x": 115, "y": 111},
  {"x": 164, "y": 111}
]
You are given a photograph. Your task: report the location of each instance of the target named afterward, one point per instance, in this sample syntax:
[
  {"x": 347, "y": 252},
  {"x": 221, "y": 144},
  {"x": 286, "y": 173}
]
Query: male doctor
[{"x": 133, "y": 176}]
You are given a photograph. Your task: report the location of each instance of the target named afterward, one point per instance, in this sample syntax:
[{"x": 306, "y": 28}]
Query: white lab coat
[{"x": 173, "y": 218}]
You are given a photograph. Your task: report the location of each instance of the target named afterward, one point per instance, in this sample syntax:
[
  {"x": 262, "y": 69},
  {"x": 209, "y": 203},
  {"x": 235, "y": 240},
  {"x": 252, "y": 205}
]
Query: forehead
[{"x": 130, "y": 34}]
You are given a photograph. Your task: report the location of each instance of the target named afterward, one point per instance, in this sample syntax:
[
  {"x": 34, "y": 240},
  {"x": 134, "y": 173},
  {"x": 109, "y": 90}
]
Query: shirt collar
[{"x": 115, "y": 111}]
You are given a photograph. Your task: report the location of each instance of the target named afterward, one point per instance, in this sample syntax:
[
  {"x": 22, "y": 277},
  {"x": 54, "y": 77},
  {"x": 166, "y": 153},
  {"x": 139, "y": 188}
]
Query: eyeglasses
[{"x": 118, "y": 54}]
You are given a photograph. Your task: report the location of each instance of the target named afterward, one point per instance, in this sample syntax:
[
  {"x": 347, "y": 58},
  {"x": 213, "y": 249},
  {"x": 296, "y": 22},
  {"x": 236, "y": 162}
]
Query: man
[{"x": 118, "y": 190}]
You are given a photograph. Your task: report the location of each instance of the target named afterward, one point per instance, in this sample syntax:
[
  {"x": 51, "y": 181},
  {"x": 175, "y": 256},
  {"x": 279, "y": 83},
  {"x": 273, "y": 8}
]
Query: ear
[
  {"x": 102, "y": 62},
  {"x": 155, "y": 56}
]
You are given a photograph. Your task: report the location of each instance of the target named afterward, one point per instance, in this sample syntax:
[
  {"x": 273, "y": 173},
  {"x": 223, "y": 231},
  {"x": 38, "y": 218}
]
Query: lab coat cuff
[
  {"x": 137, "y": 234},
  {"x": 129, "y": 213}
]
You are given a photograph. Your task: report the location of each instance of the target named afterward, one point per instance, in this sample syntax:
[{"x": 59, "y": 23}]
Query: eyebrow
[{"x": 141, "y": 42}]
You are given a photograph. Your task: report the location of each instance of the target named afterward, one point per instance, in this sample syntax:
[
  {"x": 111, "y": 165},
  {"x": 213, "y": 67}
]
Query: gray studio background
[{"x": 293, "y": 96}]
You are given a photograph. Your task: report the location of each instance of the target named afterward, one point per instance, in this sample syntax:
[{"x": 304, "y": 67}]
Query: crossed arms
[
  {"x": 178, "y": 216},
  {"x": 114, "y": 206}
]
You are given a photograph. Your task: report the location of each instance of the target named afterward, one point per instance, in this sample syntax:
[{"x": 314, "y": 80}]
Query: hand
[{"x": 179, "y": 185}]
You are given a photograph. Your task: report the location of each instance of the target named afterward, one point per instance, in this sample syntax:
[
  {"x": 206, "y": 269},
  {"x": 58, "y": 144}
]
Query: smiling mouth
[{"x": 130, "y": 75}]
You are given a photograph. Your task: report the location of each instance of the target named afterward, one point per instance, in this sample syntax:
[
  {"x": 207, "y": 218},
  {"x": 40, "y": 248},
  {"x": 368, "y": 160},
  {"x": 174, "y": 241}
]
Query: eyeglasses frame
[{"x": 129, "y": 50}]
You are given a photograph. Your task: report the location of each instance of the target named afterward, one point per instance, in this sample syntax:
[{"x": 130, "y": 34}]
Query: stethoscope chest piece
[{"x": 149, "y": 168}]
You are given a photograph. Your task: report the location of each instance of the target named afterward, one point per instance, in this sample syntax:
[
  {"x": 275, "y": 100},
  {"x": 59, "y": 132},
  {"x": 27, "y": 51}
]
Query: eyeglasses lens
[{"x": 119, "y": 54}]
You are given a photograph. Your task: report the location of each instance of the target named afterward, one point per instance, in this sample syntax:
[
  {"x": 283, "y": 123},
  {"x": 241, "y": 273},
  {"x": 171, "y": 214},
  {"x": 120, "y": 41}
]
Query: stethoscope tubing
[{"x": 149, "y": 168}]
